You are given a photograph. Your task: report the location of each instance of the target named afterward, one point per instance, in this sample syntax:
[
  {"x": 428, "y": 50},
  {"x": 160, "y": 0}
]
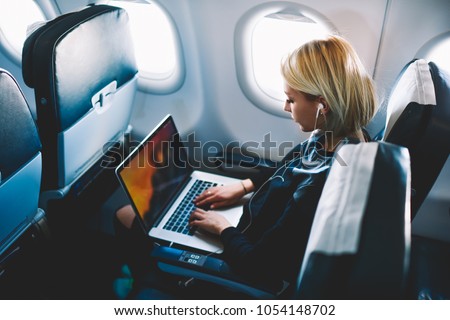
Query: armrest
[{"x": 207, "y": 268}]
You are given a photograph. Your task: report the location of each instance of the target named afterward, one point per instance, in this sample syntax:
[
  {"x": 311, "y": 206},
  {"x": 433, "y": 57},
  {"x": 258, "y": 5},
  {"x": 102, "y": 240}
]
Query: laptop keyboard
[{"x": 179, "y": 220}]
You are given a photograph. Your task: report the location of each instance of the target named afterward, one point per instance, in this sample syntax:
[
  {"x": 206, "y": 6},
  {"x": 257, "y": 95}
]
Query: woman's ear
[{"x": 323, "y": 106}]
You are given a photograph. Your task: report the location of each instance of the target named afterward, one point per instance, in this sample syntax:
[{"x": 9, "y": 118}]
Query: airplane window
[
  {"x": 15, "y": 17},
  {"x": 439, "y": 53},
  {"x": 156, "y": 45},
  {"x": 274, "y": 36},
  {"x": 263, "y": 38}
]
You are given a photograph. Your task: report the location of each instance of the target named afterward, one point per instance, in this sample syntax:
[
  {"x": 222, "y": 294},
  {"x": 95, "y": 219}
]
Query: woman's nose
[{"x": 287, "y": 107}]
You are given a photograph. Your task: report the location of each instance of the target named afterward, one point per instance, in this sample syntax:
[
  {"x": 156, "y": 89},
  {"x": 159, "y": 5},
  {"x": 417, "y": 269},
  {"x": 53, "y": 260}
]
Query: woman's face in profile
[{"x": 303, "y": 110}]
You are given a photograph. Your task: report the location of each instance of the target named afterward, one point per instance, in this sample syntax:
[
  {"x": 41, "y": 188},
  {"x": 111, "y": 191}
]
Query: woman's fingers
[
  {"x": 205, "y": 197},
  {"x": 197, "y": 214},
  {"x": 220, "y": 196},
  {"x": 208, "y": 220}
]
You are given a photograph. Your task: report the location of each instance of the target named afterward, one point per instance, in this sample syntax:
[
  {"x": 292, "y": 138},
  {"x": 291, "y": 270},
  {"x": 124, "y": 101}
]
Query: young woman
[{"x": 329, "y": 94}]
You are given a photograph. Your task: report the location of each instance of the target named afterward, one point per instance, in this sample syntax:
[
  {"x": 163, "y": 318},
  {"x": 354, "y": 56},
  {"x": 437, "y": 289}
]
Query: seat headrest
[
  {"x": 414, "y": 85},
  {"x": 27, "y": 50},
  {"x": 19, "y": 139},
  {"x": 85, "y": 50}
]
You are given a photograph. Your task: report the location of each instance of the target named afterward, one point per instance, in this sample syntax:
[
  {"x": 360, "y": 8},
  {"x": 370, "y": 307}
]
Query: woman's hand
[
  {"x": 222, "y": 196},
  {"x": 209, "y": 221}
]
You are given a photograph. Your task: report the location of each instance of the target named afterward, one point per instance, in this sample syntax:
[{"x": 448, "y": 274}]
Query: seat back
[
  {"x": 20, "y": 163},
  {"x": 83, "y": 71},
  {"x": 360, "y": 238},
  {"x": 418, "y": 117}
]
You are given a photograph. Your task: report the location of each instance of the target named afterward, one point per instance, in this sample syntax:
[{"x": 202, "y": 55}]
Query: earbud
[{"x": 319, "y": 107}]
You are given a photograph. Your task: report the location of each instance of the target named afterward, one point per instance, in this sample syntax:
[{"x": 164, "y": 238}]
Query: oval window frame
[
  {"x": 243, "y": 49},
  {"x": 162, "y": 83},
  {"x": 6, "y": 45},
  {"x": 426, "y": 51}
]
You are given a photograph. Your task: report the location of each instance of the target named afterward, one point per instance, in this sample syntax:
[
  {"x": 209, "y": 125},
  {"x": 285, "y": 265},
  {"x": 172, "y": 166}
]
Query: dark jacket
[{"x": 269, "y": 243}]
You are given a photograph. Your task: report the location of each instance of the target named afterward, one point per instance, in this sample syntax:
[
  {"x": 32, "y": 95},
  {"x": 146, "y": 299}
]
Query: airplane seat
[
  {"x": 83, "y": 71},
  {"x": 359, "y": 242},
  {"x": 418, "y": 117},
  {"x": 22, "y": 222}
]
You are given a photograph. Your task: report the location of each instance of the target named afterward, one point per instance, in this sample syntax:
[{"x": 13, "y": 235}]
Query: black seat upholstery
[
  {"x": 359, "y": 243},
  {"x": 83, "y": 71},
  {"x": 22, "y": 223},
  {"x": 418, "y": 117},
  {"x": 20, "y": 163}
]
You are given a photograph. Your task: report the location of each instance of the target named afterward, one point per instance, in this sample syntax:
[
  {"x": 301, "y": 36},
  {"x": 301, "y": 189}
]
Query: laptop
[{"x": 161, "y": 185}]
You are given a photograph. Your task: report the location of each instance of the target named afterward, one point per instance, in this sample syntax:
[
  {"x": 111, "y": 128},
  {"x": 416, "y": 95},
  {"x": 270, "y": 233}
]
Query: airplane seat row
[{"x": 83, "y": 71}]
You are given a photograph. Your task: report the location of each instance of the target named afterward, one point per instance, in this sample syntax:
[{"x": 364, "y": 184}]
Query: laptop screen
[{"x": 154, "y": 171}]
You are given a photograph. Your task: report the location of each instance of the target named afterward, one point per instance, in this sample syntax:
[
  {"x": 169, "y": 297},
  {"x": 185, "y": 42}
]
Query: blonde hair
[{"x": 331, "y": 68}]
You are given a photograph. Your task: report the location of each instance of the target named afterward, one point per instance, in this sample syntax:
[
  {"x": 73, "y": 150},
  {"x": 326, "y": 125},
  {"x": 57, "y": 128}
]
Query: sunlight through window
[
  {"x": 274, "y": 36},
  {"x": 153, "y": 38},
  {"x": 15, "y": 17},
  {"x": 439, "y": 55}
]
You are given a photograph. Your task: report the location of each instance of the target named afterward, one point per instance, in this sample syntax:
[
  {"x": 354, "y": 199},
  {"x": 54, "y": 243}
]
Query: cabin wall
[
  {"x": 410, "y": 24},
  {"x": 210, "y": 100},
  {"x": 386, "y": 34},
  {"x": 212, "y": 104},
  {"x": 226, "y": 114}
]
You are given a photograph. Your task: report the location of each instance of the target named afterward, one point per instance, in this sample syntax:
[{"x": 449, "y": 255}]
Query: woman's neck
[{"x": 331, "y": 144}]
